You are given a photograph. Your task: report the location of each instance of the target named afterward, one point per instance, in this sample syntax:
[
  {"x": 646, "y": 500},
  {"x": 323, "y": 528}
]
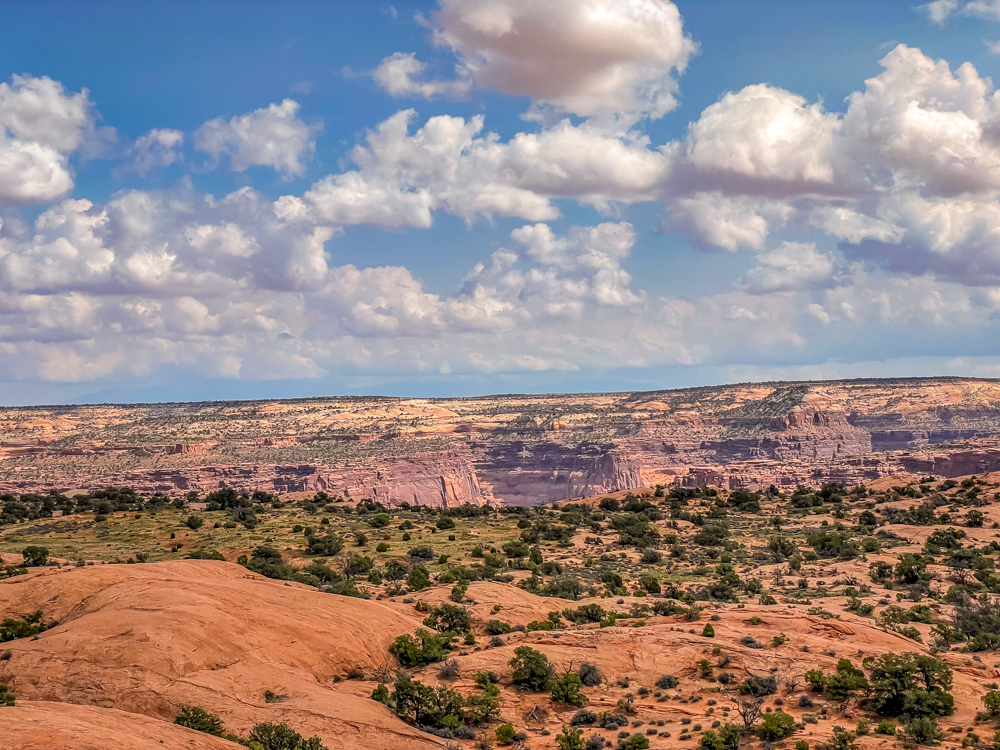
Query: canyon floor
[{"x": 657, "y": 617}]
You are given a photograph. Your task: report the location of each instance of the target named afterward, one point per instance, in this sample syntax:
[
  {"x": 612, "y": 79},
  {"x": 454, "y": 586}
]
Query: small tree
[
  {"x": 750, "y": 710},
  {"x": 570, "y": 739},
  {"x": 35, "y": 556},
  {"x": 566, "y": 689},
  {"x": 197, "y": 718},
  {"x": 418, "y": 579},
  {"x": 709, "y": 631},
  {"x": 727, "y": 738},
  {"x": 992, "y": 702},
  {"x": 194, "y": 522},
  {"x": 505, "y": 734},
  {"x": 923, "y": 730},
  {"x": 776, "y": 726},
  {"x": 532, "y": 670},
  {"x": 282, "y": 737}
]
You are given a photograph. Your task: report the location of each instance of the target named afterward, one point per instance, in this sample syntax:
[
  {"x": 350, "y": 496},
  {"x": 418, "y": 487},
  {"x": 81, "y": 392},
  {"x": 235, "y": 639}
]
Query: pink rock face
[{"x": 519, "y": 450}]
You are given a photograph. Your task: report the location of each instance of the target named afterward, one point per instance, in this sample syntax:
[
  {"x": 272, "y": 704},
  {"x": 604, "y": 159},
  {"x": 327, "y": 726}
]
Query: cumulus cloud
[
  {"x": 398, "y": 74},
  {"x": 938, "y": 11},
  {"x": 919, "y": 129},
  {"x": 765, "y": 135},
  {"x": 273, "y": 136},
  {"x": 609, "y": 59},
  {"x": 158, "y": 148},
  {"x": 41, "y": 126},
  {"x": 450, "y": 165},
  {"x": 907, "y": 179},
  {"x": 794, "y": 266}
]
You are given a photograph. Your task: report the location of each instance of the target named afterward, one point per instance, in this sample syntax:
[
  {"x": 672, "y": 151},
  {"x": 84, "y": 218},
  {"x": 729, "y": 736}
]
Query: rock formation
[{"x": 513, "y": 449}]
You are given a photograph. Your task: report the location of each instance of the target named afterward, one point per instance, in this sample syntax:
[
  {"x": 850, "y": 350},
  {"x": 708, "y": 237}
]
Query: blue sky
[{"x": 212, "y": 200}]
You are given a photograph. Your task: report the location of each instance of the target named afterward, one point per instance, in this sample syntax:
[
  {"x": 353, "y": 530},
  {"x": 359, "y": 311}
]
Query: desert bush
[
  {"x": 667, "y": 682},
  {"x": 758, "y": 686},
  {"x": 421, "y": 648},
  {"x": 775, "y": 726},
  {"x": 11, "y": 629},
  {"x": 923, "y": 730},
  {"x": 197, "y": 718},
  {"x": 590, "y": 675},
  {"x": 35, "y": 556},
  {"x": 532, "y": 670},
  {"x": 282, "y": 737},
  {"x": 566, "y": 689},
  {"x": 449, "y": 618}
]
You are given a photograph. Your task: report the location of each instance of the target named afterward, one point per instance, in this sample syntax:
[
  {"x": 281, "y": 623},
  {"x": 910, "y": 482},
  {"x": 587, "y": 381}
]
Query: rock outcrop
[{"x": 520, "y": 450}]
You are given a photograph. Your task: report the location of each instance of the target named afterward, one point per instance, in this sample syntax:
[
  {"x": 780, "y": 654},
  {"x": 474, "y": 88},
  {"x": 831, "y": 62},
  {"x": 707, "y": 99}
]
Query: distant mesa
[{"x": 516, "y": 450}]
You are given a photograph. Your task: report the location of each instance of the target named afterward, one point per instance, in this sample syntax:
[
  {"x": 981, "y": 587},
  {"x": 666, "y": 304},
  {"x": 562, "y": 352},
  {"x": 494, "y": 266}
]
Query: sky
[{"x": 249, "y": 199}]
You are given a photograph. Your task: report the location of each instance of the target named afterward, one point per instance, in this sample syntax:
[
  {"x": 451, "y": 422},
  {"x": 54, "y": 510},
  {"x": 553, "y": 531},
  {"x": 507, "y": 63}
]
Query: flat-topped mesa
[
  {"x": 439, "y": 480},
  {"x": 520, "y": 450}
]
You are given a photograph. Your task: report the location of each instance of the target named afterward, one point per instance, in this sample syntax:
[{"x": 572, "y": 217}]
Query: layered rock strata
[{"x": 520, "y": 450}]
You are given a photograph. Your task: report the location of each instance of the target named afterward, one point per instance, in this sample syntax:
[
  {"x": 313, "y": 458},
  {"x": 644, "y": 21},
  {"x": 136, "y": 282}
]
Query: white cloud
[
  {"x": 794, "y": 266},
  {"x": 41, "y": 125},
  {"x": 989, "y": 9},
  {"x": 938, "y": 10},
  {"x": 767, "y": 135},
  {"x": 713, "y": 220},
  {"x": 450, "y": 165},
  {"x": 271, "y": 137},
  {"x": 41, "y": 111},
  {"x": 397, "y": 74},
  {"x": 609, "y": 59},
  {"x": 158, "y": 148}
]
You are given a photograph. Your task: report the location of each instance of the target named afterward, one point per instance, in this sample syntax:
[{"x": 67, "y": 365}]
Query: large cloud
[
  {"x": 41, "y": 125},
  {"x": 609, "y": 59},
  {"x": 449, "y": 165}
]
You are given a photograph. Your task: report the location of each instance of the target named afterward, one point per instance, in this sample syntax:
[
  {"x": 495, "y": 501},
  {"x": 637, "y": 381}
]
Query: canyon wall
[{"x": 519, "y": 450}]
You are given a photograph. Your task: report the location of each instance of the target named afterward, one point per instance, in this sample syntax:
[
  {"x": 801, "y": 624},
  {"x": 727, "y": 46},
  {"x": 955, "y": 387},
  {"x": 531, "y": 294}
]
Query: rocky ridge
[{"x": 520, "y": 450}]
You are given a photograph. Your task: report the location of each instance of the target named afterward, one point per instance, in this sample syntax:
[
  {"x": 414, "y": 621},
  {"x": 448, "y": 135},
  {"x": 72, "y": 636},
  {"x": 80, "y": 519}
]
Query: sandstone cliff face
[
  {"x": 444, "y": 480},
  {"x": 520, "y": 450}
]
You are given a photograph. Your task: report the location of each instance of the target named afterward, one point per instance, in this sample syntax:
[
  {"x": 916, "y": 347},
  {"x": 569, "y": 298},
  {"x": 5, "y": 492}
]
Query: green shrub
[
  {"x": 449, "y": 618},
  {"x": 35, "y": 557},
  {"x": 635, "y": 742},
  {"x": 497, "y": 627},
  {"x": 6, "y": 696},
  {"x": 708, "y": 631},
  {"x": 11, "y": 629},
  {"x": 570, "y": 739},
  {"x": 726, "y": 738},
  {"x": 886, "y": 727},
  {"x": 505, "y": 734},
  {"x": 923, "y": 730},
  {"x": 566, "y": 689},
  {"x": 418, "y": 579},
  {"x": 776, "y": 725},
  {"x": 194, "y": 717},
  {"x": 420, "y": 649},
  {"x": 912, "y": 686},
  {"x": 282, "y": 737},
  {"x": 992, "y": 702},
  {"x": 532, "y": 670}
]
